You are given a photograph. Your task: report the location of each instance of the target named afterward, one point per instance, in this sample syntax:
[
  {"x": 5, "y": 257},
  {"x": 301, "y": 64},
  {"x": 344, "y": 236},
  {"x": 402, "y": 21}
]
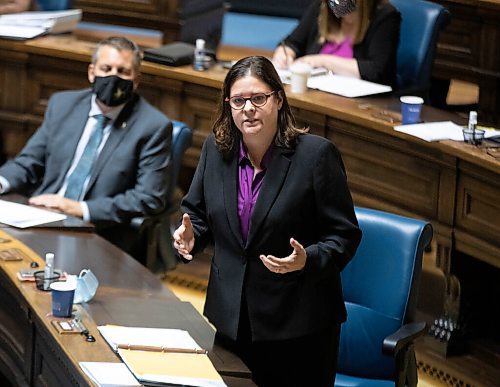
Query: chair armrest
[{"x": 403, "y": 337}]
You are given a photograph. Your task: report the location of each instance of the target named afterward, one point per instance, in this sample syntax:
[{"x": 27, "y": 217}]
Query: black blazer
[
  {"x": 305, "y": 196},
  {"x": 376, "y": 54}
]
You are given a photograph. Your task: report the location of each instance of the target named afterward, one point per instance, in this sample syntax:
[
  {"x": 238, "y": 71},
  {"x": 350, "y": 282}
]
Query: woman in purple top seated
[
  {"x": 357, "y": 38},
  {"x": 274, "y": 202}
]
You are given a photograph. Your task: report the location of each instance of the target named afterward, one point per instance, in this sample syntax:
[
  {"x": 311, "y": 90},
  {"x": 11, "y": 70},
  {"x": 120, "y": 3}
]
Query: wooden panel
[
  {"x": 198, "y": 111},
  {"x": 15, "y": 333},
  {"x": 159, "y": 15},
  {"x": 478, "y": 213},
  {"x": 386, "y": 173},
  {"x": 468, "y": 50}
]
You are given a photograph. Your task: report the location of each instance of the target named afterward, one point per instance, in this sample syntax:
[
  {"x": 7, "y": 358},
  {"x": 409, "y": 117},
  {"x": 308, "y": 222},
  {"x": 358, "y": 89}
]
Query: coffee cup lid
[
  {"x": 301, "y": 68},
  {"x": 412, "y": 100},
  {"x": 63, "y": 286}
]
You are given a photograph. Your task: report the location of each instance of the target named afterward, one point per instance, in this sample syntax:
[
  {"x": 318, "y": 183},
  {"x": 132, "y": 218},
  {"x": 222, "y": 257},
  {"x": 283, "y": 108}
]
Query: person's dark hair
[
  {"x": 120, "y": 43},
  {"x": 227, "y": 135}
]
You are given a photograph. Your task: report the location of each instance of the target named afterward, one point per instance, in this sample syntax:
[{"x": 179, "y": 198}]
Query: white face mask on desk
[{"x": 86, "y": 286}]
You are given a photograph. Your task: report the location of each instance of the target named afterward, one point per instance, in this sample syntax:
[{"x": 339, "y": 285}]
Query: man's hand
[
  {"x": 184, "y": 238},
  {"x": 57, "y": 202},
  {"x": 295, "y": 261}
]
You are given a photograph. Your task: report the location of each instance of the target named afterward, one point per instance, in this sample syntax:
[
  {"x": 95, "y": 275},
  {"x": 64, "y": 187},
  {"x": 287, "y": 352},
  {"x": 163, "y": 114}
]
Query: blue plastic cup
[
  {"x": 62, "y": 298},
  {"x": 410, "y": 109}
]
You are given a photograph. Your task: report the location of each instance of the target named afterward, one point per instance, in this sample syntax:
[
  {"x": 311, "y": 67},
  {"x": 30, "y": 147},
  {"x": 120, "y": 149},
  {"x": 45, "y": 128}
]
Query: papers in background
[
  {"x": 22, "y": 216},
  {"x": 109, "y": 374},
  {"x": 162, "y": 367},
  {"x": 436, "y": 131},
  {"x": 349, "y": 87},
  {"x": 26, "y": 25},
  {"x": 346, "y": 86}
]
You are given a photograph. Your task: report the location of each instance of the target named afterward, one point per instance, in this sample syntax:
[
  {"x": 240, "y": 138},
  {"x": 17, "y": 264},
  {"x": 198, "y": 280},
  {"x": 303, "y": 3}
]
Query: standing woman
[
  {"x": 274, "y": 202},
  {"x": 356, "y": 38}
]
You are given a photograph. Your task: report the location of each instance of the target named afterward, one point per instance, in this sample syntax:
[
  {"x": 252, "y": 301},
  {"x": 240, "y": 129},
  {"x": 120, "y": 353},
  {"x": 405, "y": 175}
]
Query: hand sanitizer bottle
[{"x": 199, "y": 55}]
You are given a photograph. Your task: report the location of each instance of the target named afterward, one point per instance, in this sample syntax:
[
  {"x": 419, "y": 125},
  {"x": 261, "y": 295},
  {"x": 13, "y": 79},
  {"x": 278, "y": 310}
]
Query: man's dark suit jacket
[
  {"x": 305, "y": 196},
  {"x": 130, "y": 175}
]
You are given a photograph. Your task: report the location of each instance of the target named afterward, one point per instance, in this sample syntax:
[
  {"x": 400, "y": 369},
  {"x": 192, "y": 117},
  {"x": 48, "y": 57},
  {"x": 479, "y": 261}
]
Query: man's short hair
[{"x": 120, "y": 43}]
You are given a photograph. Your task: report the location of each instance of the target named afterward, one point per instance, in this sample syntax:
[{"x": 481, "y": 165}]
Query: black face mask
[
  {"x": 113, "y": 90},
  {"x": 341, "y": 8}
]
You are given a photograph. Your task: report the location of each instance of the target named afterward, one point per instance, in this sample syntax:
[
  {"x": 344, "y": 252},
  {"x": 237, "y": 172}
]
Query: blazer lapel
[
  {"x": 118, "y": 131},
  {"x": 230, "y": 195},
  {"x": 75, "y": 123},
  {"x": 271, "y": 187}
]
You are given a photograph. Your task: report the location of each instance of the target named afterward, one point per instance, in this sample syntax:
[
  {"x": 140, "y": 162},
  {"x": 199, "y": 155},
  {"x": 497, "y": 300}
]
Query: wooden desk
[
  {"x": 31, "y": 351},
  {"x": 453, "y": 185}
]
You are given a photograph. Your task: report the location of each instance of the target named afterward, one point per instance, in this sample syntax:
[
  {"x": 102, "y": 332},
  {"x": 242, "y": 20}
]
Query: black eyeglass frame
[{"x": 267, "y": 95}]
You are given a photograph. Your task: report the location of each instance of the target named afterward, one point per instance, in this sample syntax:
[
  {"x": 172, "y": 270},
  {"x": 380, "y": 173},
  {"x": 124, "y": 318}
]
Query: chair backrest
[
  {"x": 421, "y": 22},
  {"x": 182, "y": 138},
  {"x": 54, "y": 5},
  {"x": 380, "y": 287}
]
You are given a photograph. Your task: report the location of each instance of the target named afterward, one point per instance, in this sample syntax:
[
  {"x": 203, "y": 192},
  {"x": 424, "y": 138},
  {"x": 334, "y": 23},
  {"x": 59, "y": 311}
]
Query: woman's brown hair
[
  {"x": 227, "y": 135},
  {"x": 328, "y": 23}
]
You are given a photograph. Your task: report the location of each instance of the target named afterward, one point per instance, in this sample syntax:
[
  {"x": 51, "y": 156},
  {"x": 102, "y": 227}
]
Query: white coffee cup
[{"x": 300, "y": 75}]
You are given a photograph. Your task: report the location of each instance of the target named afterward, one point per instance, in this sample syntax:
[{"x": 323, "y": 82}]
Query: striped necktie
[{"x": 77, "y": 179}]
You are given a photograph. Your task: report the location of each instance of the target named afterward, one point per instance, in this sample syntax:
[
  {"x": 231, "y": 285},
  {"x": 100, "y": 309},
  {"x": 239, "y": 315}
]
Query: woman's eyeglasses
[{"x": 257, "y": 100}]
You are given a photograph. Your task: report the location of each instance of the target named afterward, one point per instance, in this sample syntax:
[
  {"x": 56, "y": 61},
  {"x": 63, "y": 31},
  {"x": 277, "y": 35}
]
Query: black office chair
[
  {"x": 156, "y": 231},
  {"x": 380, "y": 288},
  {"x": 421, "y": 22}
]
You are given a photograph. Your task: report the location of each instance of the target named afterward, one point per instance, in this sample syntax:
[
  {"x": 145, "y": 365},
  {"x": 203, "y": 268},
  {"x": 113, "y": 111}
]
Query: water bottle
[
  {"x": 48, "y": 272},
  {"x": 199, "y": 55}
]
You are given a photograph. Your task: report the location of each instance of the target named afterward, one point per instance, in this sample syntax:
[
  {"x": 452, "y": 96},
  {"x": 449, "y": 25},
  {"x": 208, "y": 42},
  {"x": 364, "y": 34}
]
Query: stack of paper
[
  {"x": 436, "y": 131},
  {"x": 109, "y": 374},
  {"x": 169, "y": 356},
  {"x": 26, "y": 25}
]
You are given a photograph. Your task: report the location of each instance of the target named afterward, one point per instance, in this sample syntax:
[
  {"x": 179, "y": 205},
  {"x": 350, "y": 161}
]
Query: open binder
[{"x": 162, "y": 356}]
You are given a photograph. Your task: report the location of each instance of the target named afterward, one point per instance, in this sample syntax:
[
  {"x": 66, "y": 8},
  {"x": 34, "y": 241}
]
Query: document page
[
  {"x": 22, "y": 216},
  {"x": 442, "y": 130},
  {"x": 346, "y": 86},
  {"x": 106, "y": 374}
]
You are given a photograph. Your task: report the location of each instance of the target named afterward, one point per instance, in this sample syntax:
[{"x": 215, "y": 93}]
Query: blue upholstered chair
[
  {"x": 380, "y": 289},
  {"x": 54, "y": 5},
  {"x": 159, "y": 255},
  {"x": 420, "y": 25}
]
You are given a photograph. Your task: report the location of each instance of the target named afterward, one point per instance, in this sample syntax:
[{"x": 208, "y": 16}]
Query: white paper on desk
[
  {"x": 346, "y": 86},
  {"x": 433, "y": 131},
  {"x": 109, "y": 374},
  {"x": 442, "y": 130},
  {"x": 153, "y": 337},
  {"x": 20, "y": 32},
  {"x": 22, "y": 216},
  {"x": 55, "y": 22}
]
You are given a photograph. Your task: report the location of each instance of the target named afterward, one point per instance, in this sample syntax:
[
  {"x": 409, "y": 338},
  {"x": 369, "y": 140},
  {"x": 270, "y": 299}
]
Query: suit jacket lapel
[
  {"x": 75, "y": 123},
  {"x": 118, "y": 131},
  {"x": 230, "y": 195},
  {"x": 271, "y": 187}
]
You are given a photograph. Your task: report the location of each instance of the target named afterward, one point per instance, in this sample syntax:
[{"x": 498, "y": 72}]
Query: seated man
[
  {"x": 13, "y": 6},
  {"x": 101, "y": 154}
]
